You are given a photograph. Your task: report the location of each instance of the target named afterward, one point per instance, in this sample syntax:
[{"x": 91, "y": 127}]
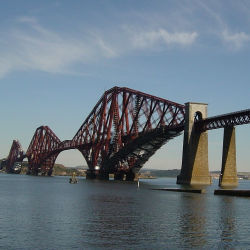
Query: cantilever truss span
[
  {"x": 16, "y": 154},
  {"x": 124, "y": 129},
  {"x": 118, "y": 120}
]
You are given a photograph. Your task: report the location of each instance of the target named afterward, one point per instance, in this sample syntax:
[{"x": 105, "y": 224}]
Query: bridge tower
[
  {"x": 228, "y": 176},
  {"x": 194, "y": 168}
]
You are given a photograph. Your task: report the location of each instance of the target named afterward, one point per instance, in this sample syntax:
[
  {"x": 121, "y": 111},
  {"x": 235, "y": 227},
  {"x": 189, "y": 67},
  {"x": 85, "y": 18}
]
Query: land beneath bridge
[{"x": 61, "y": 170}]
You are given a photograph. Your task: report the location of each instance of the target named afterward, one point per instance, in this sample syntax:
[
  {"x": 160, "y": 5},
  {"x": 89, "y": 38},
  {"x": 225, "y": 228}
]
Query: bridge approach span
[{"x": 226, "y": 120}]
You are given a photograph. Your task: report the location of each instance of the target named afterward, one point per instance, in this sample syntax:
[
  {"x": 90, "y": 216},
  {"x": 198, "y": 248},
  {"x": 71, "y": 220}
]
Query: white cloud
[
  {"x": 30, "y": 46},
  {"x": 237, "y": 40},
  {"x": 35, "y": 48},
  {"x": 4, "y": 67},
  {"x": 26, "y": 19},
  {"x": 163, "y": 37},
  {"x": 107, "y": 50}
]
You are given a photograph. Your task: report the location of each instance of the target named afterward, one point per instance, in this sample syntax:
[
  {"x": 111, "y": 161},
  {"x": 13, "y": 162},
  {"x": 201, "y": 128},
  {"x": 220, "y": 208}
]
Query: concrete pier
[
  {"x": 130, "y": 176},
  {"x": 119, "y": 176},
  {"x": 228, "y": 175},
  {"x": 96, "y": 174},
  {"x": 103, "y": 176},
  {"x": 194, "y": 170},
  {"x": 90, "y": 174}
]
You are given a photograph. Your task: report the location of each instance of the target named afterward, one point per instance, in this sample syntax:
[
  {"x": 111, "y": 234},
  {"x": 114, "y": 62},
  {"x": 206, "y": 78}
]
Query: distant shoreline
[{"x": 61, "y": 170}]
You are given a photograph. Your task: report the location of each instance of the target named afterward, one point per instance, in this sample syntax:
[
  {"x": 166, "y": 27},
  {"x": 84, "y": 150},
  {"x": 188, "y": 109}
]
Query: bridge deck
[{"x": 225, "y": 120}]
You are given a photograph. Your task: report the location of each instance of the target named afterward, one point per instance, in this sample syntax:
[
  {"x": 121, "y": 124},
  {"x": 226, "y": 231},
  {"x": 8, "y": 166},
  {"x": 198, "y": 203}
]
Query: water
[{"x": 50, "y": 213}]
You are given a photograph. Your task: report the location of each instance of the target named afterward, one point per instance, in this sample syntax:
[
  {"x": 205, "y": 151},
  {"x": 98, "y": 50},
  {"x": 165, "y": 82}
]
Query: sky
[{"x": 58, "y": 57}]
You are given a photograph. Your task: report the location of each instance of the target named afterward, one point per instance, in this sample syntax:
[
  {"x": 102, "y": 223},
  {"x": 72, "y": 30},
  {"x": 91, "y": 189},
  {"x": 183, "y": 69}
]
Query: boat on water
[{"x": 73, "y": 179}]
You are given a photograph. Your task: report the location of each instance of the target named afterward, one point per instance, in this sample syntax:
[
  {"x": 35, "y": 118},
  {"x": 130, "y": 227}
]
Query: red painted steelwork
[
  {"x": 39, "y": 154},
  {"x": 120, "y": 117},
  {"x": 124, "y": 129},
  {"x": 16, "y": 154}
]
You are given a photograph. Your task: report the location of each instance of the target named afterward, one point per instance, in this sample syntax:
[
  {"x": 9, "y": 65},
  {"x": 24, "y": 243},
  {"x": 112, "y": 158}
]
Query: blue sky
[{"x": 58, "y": 57}]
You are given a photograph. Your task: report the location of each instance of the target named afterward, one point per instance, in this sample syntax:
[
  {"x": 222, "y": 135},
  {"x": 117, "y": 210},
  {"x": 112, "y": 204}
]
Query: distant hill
[
  {"x": 60, "y": 169},
  {"x": 81, "y": 167},
  {"x": 161, "y": 173}
]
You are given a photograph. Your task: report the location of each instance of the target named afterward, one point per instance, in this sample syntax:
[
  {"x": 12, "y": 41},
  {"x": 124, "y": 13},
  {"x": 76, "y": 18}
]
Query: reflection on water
[
  {"x": 109, "y": 221},
  {"x": 227, "y": 221},
  {"x": 192, "y": 220},
  {"x": 49, "y": 213}
]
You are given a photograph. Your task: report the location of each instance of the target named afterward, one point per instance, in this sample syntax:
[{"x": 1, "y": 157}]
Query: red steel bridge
[{"x": 124, "y": 129}]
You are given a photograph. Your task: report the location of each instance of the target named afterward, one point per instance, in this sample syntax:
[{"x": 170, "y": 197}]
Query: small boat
[{"x": 73, "y": 179}]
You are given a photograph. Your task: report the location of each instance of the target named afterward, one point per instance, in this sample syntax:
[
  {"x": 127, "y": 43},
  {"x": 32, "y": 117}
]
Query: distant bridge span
[{"x": 124, "y": 129}]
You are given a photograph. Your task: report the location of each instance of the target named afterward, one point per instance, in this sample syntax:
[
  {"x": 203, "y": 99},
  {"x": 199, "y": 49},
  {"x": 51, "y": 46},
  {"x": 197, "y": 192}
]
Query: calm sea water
[{"x": 50, "y": 213}]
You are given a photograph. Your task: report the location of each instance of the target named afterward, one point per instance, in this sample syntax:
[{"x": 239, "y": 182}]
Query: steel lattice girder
[
  {"x": 226, "y": 120},
  {"x": 124, "y": 129},
  {"x": 43, "y": 142},
  {"x": 119, "y": 117},
  {"x": 15, "y": 154},
  {"x": 138, "y": 151}
]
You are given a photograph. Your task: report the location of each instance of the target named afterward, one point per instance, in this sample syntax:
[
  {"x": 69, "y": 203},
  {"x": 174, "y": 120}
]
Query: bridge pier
[
  {"x": 103, "y": 176},
  {"x": 119, "y": 176},
  {"x": 90, "y": 174},
  {"x": 194, "y": 170},
  {"x": 32, "y": 171},
  {"x": 228, "y": 176},
  {"x": 96, "y": 174},
  {"x": 130, "y": 176}
]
